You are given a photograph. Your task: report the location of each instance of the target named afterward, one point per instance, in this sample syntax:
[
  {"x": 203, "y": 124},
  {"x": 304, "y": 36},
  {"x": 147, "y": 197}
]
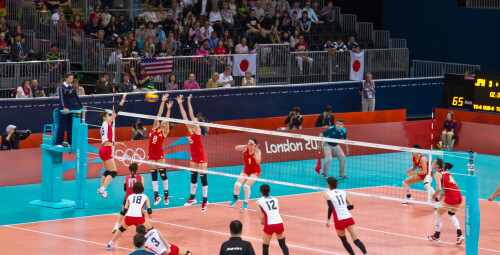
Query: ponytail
[{"x": 448, "y": 166}]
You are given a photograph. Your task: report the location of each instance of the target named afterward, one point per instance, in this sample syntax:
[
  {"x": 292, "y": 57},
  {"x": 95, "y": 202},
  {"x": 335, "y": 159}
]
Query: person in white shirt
[
  {"x": 57, "y": 15},
  {"x": 339, "y": 206},
  {"x": 24, "y": 91},
  {"x": 225, "y": 79},
  {"x": 269, "y": 214},
  {"x": 149, "y": 15},
  {"x": 248, "y": 80},
  {"x": 133, "y": 211},
  {"x": 259, "y": 10},
  {"x": 106, "y": 16},
  {"x": 206, "y": 30},
  {"x": 157, "y": 242}
]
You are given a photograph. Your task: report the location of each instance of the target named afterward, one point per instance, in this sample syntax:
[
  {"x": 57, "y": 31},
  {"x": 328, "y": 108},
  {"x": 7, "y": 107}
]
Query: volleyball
[
  {"x": 439, "y": 145},
  {"x": 152, "y": 97}
]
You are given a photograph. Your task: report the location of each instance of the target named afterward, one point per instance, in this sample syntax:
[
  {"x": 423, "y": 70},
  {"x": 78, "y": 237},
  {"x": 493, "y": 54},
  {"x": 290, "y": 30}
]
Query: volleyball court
[{"x": 289, "y": 159}]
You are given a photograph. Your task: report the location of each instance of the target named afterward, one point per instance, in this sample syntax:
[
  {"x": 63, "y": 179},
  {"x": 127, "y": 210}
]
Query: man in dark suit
[
  {"x": 18, "y": 50},
  {"x": 325, "y": 119}
]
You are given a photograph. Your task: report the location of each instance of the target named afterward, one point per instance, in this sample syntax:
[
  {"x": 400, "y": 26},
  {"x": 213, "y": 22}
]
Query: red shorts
[
  {"x": 174, "y": 249},
  {"x": 199, "y": 159},
  {"x": 105, "y": 153},
  {"x": 252, "y": 171},
  {"x": 155, "y": 155},
  {"x": 453, "y": 200},
  {"x": 343, "y": 224},
  {"x": 274, "y": 228},
  {"x": 134, "y": 221}
]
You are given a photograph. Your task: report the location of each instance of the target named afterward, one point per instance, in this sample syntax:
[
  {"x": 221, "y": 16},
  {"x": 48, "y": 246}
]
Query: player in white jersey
[
  {"x": 134, "y": 214},
  {"x": 106, "y": 151},
  {"x": 339, "y": 205},
  {"x": 156, "y": 242},
  {"x": 269, "y": 214}
]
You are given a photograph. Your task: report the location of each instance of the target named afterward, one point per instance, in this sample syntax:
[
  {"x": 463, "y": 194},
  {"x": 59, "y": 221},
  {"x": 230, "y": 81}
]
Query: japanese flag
[
  {"x": 357, "y": 66},
  {"x": 244, "y": 62}
]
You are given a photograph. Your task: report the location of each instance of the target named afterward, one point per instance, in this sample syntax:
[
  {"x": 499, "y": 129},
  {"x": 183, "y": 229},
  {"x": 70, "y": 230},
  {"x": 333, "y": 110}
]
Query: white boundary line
[{"x": 67, "y": 237}]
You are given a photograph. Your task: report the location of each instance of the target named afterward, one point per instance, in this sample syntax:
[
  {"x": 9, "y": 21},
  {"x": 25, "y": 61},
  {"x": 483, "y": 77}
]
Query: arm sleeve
[
  {"x": 77, "y": 98},
  {"x": 330, "y": 208},
  {"x": 61, "y": 101},
  {"x": 287, "y": 119},
  {"x": 125, "y": 187},
  {"x": 300, "y": 120}
]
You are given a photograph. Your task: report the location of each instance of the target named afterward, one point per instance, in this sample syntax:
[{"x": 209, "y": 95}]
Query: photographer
[
  {"x": 201, "y": 118},
  {"x": 294, "y": 119},
  {"x": 139, "y": 132},
  {"x": 10, "y": 140}
]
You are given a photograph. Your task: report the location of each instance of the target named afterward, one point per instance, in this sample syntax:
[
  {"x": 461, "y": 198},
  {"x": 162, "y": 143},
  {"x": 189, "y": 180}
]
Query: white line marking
[
  {"x": 67, "y": 237},
  {"x": 245, "y": 237}
]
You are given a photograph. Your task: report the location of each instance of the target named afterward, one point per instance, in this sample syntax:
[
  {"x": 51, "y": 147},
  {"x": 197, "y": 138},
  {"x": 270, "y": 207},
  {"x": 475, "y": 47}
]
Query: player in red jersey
[
  {"x": 106, "y": 150},
  {"x": 128, "y": 186},
  {"x": 155, "y": 154},
  {"x": 421, "y": 163},
  {"x": 198, "y": 157},
  {"x": 451, "y": 202},
  {"x": 251, "y": 157}
]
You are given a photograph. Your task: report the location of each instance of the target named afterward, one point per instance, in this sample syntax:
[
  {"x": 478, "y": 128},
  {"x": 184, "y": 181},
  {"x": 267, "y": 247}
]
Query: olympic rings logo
[{"x": 129, "y": 156}]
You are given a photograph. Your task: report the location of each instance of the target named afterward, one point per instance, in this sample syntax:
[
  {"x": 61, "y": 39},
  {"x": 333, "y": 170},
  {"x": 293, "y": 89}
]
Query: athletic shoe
[
  {"x": 245, "y": 206},
  {"x": 204, "y": 206},
  {"x": 343, "y": 177},
  {"x": 157, "y": 200},
  {"x": 166, "y": 200},
  {"x": 433, "y": 238},
  {"x": 109, "y": 246},
  {"x": 102, "y": 192},
  {"x": 407, "y": 200},
  {"x": 460, "y": 239},
  {"x": 233, "y": 202},
  {"x": 190, "y": 202}
]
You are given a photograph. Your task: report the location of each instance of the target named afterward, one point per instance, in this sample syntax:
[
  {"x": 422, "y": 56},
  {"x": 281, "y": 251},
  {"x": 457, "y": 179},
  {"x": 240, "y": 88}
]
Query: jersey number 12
[{"x": 271, "y": 205}]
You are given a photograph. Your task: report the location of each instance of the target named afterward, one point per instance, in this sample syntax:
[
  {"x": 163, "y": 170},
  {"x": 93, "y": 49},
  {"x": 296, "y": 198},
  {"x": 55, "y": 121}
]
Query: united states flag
[{"x": 157, "y": 66}]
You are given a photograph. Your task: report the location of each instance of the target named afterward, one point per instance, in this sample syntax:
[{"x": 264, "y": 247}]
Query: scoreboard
[{"x": 471, "y": 93}]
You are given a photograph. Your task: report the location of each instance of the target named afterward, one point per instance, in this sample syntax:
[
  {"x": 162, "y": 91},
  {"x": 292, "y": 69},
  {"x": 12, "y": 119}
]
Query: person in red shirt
[
  {"x": 451, "y": 201},
  {"x": 421, "y": 163},
  {"x": 251, "y": 157},
  {"x": 155, "y": 152},
  {"x": 130, "y": 180},
  {"x": 220, "y": 50},
  {"x": 198, "y": 157},
  {"x": 302, "y": 46}
]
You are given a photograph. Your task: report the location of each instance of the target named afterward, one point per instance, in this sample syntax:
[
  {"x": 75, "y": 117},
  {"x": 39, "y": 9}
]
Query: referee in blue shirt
[
  {"x": 337, "y": 132},
  {"x": 68, "y": 100}
]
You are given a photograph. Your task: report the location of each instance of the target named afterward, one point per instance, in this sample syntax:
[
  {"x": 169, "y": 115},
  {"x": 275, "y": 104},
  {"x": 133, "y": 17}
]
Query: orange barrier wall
[{"x": 476, "y": 117}]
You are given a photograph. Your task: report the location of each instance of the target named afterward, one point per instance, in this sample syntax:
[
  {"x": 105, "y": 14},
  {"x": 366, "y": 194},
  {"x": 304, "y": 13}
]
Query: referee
[
  {"x": 68, "y": 100},
  {"x": 336, "y": 132},
  {"x": 235, "y": 245}
]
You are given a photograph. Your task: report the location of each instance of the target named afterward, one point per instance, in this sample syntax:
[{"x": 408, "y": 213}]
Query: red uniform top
[
  {"x": 156, "y": 138},
  {"x": 195, "y": 145},
  {"x": 418, "y": 164},
  {"x": 449, "y": 184},
  {"x": 251, "y": 164},
  {"x": 129, "y": 184}
]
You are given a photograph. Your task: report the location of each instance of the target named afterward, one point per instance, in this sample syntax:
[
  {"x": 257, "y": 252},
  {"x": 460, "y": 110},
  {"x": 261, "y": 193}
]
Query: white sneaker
[
  {"x": 190, "y": 202},
  {"x": 460, "y": 239},
  {"x": 157, "y": 200},
  {"x": 103, "y": 193},
  {"x": 109, "y": 246},
  {"x": 407, "y": 200}
]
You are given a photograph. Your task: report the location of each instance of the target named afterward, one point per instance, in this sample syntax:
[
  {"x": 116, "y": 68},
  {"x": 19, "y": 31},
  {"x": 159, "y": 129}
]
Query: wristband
[{"x": 150, "y": 211}]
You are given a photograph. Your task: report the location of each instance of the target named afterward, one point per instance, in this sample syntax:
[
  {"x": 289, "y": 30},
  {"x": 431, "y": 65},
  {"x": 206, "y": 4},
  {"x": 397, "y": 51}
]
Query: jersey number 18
[{"x": 137, "y": 199}]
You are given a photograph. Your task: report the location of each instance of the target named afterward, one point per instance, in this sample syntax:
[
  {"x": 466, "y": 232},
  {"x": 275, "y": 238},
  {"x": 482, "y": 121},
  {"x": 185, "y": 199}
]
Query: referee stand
[
  {"x": 52, "y": 164},
  {"x": 472, "y": 214}
]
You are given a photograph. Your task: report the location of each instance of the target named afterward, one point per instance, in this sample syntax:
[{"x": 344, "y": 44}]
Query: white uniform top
[
  {"x": 270, "y": 208},
  {"x": 106, "y": 132},
  {"x": 136, "y": 203},
  {"x": 154, "y": 242},
  {"x": 338, "y": 198}
]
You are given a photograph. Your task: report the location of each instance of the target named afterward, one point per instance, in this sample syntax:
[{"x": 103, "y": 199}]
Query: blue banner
[{"x": 417, "y": 95}]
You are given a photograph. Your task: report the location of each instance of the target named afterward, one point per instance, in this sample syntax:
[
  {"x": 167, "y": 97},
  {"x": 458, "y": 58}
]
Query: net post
[{"x": 472, "y": 213}]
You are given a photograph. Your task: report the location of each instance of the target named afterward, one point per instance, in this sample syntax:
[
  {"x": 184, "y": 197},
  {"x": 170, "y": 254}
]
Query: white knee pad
[
  {"x": 237, "y": 184},
  {"x": 246, "y": 188},
  {"x": 428, "y": 179}
]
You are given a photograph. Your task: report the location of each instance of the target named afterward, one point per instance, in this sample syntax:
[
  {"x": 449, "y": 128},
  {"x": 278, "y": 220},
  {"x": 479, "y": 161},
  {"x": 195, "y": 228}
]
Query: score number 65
[{"x": 457, "y": 101}]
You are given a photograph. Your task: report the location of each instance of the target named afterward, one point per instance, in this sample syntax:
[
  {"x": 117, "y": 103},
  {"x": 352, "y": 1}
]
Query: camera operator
[
  {"x": 294, "y": 119},
  {"x": 139, "y": 132},
  {"x": 201, "y": 118},
  {"x": 10, "y": 140}
]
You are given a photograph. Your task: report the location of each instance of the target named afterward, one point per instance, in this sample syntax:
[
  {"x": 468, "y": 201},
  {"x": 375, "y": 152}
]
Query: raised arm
[
  {"x": 169, "y": 107},
  {"x": 190, "y": 108},
  {"x": 160, "y": 111},
  {"x": 180, "y": 100},
  {"x": 113, "y": 116}
]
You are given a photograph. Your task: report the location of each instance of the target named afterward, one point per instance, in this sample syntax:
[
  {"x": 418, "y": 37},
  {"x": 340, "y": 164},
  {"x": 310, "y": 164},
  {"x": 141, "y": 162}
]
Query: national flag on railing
[
  {"x": 157, "y": 66},
  {"x": 244, "y": 62},
  {"x": 357, "y": 66}
]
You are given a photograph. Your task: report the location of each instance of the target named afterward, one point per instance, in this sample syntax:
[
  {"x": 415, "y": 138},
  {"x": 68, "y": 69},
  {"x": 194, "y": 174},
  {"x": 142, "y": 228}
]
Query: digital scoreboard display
[{"x": 472, "y": 93}]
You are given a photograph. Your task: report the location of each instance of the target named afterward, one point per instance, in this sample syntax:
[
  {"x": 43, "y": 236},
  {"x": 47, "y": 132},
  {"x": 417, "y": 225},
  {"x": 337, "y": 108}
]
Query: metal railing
[
  {"x": 348, "y": 22},
  {"x": 387, "y": 63},
  {"x": 364, "y": 31},
  {"x": 272, "y": 68},
  {"x": 483, "y": 4},
  {"x": 381, "y": 38},
  {"x": 422, "y": 68},
  {"x": 48, "y": 74},
  {"x": 397, "y": 43}
]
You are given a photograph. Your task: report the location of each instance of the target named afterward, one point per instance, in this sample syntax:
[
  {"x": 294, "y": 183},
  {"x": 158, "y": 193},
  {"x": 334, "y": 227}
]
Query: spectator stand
[
  {"x": 422, "y": 68},
  {"x": 275, "y": 70},
  {"x": 397, "y": 43},
  {"x": 387, "y": 63},
  {"x": 365, "y": 32}
]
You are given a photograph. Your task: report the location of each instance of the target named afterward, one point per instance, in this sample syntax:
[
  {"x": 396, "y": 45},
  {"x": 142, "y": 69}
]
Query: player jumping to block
[
  {"x": 155, "y": 154},
  {"x": 198, "y": 157},
  {"x": 134, "y": 212},
  {"x": 451, "y": 202},
  {"x": 156, "y": 242},
  {"x": 252, "y": 157},
  {"x": 421, "y": 163},
  {"x": 339, "y": 205},
  {"x": 269, "y": 213},
  {"x": 106, "y": 150},
  {"x": 128, "y": 187}
]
